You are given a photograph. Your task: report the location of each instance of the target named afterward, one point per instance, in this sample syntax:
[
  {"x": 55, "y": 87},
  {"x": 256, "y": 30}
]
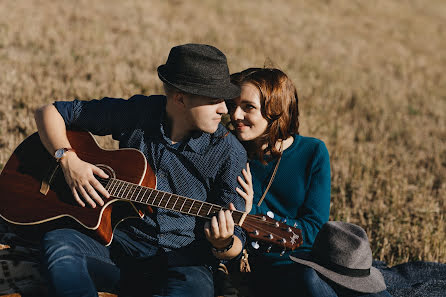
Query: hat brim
[
  {"x": 225, "y": 91},
  {"x": 372, "y": 283}
]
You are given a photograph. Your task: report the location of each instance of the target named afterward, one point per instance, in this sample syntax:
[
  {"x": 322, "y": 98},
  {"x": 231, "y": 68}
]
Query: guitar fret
[
  {"x": 168, "y": 201},
  {"x": 121, "y": 189},
  {"x": 173, "y": 207},
  {"x": 191, "y": 206},
  {"x": 203, "y": 208},
  {"x": 151, "y": 197},
  {"x": 114, "y": 187},
  {"x": 200, "y": 208},
  {"x": 137, "y": 193},
  {"x": 144, "y": 195},
  {"x": 197, "y": 207},
  {"x": 110, "y": 186},
  {"x": 132, "y": 191},
  {"x": 109, "y": 181},
  {"x": 182, "y": 205},
  {"x": 140, "y": 189},
  {"x": 217, "y": 207},
  {"x": 127, "y": 191},
  {"x": 162, "y": 197},
  {"x": 156, "y": 197}
]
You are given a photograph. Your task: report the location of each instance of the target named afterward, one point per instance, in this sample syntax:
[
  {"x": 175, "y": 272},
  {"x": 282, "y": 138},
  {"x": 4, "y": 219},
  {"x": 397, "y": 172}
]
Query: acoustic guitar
[{"x": 33, "y": 192}]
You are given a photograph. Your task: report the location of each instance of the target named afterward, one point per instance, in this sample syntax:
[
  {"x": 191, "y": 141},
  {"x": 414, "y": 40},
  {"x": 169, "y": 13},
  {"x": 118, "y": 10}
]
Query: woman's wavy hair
[{"x": 279, "y": 106}]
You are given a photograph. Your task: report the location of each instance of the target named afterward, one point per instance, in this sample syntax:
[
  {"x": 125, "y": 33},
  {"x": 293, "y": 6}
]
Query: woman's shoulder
[{"x": 308, "y": 143}]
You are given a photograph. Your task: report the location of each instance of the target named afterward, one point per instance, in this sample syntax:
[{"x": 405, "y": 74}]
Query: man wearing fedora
[{"x": 165, "y": 252}]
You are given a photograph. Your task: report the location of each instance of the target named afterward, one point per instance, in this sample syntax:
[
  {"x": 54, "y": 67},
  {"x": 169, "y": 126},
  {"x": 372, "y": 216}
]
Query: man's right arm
[{"x": 78, "y": 174}]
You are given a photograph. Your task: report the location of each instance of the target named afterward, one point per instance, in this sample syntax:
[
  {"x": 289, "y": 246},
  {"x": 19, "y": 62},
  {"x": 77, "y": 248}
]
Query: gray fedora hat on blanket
[{"x": 341, "y": 252}]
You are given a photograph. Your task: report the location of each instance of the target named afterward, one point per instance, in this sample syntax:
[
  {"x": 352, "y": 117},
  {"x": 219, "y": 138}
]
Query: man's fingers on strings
[
  {"x": 214, "y": 227},
  {"x": 222, "y": 223},
  {"x": 94, "y": 195},
  {"x": 76, "y": 197},
  {"x": 100, "y": 188},
  {"x": 98, "y": 171},
  {"x": 229, "y": 223},
  {"x": 207, "y": 230},
  {"x": 86, "y": 197}
]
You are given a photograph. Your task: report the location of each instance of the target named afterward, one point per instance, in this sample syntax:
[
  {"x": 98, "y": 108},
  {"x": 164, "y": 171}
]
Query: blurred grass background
[{"x": 370, "y": 76}]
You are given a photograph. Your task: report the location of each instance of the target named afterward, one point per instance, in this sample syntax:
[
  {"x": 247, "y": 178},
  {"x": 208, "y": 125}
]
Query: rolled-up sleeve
[{"x": 105, "y": 116}]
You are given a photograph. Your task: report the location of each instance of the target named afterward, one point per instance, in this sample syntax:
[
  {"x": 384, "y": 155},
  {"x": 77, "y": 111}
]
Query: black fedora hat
[
  {"x": 199, "y": 69},
  {"x": 341, "y": 252}
]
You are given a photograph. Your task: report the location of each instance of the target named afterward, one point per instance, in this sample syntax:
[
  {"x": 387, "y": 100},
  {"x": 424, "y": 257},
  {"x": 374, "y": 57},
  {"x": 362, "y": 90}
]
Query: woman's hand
[
  {"x": 80, "y": 177},
  {"x": 247, "y": 193}
]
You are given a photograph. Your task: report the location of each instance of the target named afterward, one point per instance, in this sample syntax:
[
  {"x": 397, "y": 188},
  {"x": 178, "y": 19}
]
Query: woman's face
[{"x": 246, "y": 115}]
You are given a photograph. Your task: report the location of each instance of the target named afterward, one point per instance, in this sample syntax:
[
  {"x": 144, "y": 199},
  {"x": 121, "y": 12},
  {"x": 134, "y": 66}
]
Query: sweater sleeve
[{"x": 316, "y": 208}]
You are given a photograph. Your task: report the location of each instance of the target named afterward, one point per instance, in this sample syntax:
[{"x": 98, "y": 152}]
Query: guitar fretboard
[{"x": 128, "y": 191}]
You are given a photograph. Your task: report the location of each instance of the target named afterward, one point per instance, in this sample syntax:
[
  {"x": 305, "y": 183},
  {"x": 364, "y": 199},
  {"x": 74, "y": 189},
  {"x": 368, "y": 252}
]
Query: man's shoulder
[
  {"x": 228, "y": 139},
  {"x": 151, "y": 99},
  {"x": 229, "y": 146}
]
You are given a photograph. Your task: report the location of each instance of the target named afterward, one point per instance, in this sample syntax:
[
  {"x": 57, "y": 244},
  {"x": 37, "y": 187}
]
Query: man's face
[{"x": 204, "y": 112}]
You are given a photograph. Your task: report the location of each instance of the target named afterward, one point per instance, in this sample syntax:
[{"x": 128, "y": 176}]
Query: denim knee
[{"x": 58, "y": 244}]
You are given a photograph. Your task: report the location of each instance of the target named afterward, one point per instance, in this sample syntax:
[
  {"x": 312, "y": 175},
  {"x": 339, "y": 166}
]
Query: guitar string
[
  {"x": 188, "y": 200},
  {"x": 186, "y": 203},
  {"x": 247, "y": 220}
]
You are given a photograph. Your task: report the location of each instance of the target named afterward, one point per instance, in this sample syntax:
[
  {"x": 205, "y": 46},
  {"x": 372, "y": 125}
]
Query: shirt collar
[{"x": 198, "y": 142}]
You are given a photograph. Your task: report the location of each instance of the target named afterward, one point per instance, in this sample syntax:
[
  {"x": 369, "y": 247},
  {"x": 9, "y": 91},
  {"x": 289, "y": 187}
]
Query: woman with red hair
[{"x": 293, "y": 170}]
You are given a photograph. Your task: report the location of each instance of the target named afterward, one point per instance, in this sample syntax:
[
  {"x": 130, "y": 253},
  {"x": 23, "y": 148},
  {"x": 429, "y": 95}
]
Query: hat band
[
  {"x": 345, "y": 270},
  {"x": 198, "y": 80}
]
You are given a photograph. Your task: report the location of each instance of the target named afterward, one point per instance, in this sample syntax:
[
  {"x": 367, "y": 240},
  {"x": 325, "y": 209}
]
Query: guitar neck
[{"x": 128, "y": 191}]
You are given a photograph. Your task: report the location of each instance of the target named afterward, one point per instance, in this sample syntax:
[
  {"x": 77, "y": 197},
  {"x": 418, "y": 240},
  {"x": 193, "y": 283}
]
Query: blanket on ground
[{"x": 19, "y": 271}]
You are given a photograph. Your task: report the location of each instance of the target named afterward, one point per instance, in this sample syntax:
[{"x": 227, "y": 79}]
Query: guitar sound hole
[{"x": 107, "y": 169}]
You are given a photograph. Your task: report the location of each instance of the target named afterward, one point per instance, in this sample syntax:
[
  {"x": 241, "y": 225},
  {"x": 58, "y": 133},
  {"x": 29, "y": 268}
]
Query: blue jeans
[
  {"x": 298, "y": 280},
  {"x": 77, "y": 265}
]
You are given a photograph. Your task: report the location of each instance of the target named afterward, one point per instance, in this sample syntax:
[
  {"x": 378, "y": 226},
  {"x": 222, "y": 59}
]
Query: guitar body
[{"x": 26, "y": 199}]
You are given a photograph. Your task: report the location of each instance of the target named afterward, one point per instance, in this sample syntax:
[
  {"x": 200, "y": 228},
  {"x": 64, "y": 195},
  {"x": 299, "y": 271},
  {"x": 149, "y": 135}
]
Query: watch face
[{"x": 59, "y": 153}]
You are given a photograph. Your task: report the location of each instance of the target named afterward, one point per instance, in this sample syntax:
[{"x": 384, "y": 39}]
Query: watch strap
[{"x": 225, "y": 249}]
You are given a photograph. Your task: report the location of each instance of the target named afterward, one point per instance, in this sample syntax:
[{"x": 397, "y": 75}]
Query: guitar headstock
[{"x": 265, "y": 229}]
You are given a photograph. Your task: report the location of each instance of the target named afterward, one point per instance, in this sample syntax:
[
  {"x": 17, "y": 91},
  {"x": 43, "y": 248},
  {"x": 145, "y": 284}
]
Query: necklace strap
[{"x": 272, "y": 176}]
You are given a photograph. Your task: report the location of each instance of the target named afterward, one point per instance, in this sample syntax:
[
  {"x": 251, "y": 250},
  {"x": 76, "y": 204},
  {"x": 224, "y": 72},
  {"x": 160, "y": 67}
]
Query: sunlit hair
[{"x": 279, "y": 106}]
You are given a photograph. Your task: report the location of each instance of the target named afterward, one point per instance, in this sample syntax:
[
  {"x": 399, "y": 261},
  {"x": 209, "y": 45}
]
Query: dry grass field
[{"x": 370, "y": 75}]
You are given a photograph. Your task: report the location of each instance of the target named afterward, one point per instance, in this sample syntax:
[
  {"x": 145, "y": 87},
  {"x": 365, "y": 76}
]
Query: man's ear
[{"x": 178, "y": 98}]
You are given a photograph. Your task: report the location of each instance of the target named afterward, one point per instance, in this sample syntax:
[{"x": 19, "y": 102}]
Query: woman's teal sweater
[{"x": 300, "y": 192}]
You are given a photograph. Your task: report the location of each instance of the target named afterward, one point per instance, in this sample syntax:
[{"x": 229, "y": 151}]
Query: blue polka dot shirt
[{"x": 203, "y": 167}]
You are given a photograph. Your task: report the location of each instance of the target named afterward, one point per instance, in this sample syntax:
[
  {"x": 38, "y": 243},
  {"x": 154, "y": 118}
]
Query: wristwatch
[
  {"x": 225, "y": 249},
  {"x": 59, "y": 153}
]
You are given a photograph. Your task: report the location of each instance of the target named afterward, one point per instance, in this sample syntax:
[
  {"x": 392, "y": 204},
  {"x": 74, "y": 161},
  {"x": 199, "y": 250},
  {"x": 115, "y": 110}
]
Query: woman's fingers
[{"x": 247, "y": 174}]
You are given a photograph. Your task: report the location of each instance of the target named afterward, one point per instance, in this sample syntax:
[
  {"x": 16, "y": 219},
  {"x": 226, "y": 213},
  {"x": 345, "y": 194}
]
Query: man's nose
[{"x": 222, "y": 109}]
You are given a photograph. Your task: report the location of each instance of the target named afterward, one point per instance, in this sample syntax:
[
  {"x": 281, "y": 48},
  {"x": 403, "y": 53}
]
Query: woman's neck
[{"x": 286, "y": 144}]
